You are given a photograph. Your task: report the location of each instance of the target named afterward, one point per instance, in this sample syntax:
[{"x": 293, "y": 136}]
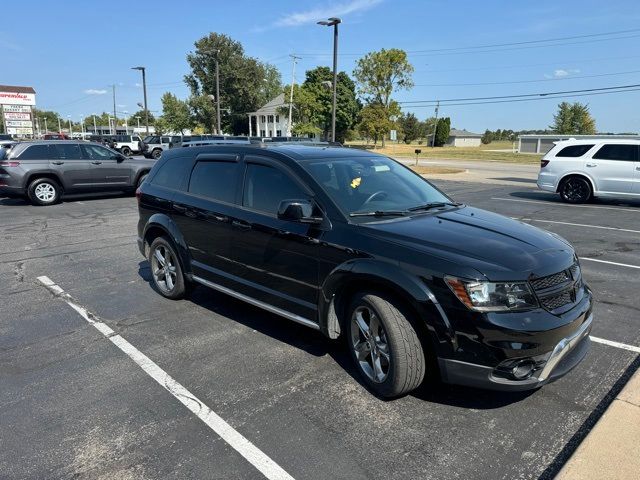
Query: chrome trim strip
[
  {"x": 564, "y": 346},
  {"x": 257, "y": 303}
]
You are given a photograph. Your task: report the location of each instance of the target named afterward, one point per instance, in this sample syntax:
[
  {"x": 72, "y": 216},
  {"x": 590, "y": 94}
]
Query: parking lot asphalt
[{"x": 73, "y": 405}]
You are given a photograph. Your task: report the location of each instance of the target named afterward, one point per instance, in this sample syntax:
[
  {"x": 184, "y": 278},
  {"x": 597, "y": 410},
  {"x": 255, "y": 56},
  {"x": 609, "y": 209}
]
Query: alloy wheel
[
  {"x": 45, "y": 192},
  {"x": 576, "y": 190},
  {"x": 163, "y": 266},
  {"x": 370, "y": 345}
]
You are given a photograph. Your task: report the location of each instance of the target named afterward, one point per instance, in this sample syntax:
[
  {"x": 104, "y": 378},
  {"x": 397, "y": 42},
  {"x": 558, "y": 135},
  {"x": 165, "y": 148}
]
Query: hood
[{"x": 494, "y": 245}]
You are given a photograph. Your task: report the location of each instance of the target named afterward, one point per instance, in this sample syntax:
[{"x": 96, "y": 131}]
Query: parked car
[
  {"x": 156, "y": 144},
  {"x": 55, "y": 136},
  {"x": 580, "y": 170},
  {"x": 128, "y": 144},
  {"x": 44, "y": 171},
  {"x": 354, "y": 244}
]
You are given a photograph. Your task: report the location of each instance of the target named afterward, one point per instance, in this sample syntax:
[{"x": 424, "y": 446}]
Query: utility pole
[
  {"x": 115, "y": 116},
  {"x": 95, "y": 129},
  {"x": 45, "y": 125},
  {"x": 293, "y": 81},
  {"x": 435, "y": 127},
  {"x": 218, "y": 93}
]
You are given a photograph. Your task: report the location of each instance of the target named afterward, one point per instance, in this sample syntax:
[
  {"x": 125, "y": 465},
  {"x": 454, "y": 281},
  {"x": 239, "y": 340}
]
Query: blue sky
[{"x": 71, "y": 54}]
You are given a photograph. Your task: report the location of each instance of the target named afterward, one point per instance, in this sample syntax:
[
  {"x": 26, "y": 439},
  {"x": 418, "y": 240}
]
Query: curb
[{"x": 612, "y": 448}]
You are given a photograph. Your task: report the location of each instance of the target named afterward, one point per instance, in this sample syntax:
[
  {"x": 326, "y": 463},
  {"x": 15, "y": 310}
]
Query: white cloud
[
  {"x": 94, "y": 91},
  {"x": 120, "y": 106},
  {"x": 312, "y": 16},
  {"x": 137, "y": 85},
  {"x": 561, "y": 72}
]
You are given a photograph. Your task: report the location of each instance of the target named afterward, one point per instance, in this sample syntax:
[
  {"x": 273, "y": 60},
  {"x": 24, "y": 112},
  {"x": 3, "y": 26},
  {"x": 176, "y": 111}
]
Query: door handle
[
  {"x": 58, "y": 163},
  {"x": 592, "y": 164},
  {"x": 240, "y": 225},
  {"x": 216, "y": 217},
  {"x": 96, "y": 162}
]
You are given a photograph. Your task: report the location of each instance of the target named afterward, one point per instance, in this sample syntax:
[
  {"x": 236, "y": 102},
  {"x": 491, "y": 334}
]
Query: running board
[{"x": 257, "y": 303}]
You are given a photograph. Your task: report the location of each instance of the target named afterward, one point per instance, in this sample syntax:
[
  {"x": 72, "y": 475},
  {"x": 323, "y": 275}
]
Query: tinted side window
[
  {"x": 574, "y": 151},
  {"x": 95, "y": 152},
  {"x": 165, "y": 139},
  {"x": 171, "y": 173},
  {"x": 35, "y": 152},
  {"x": 265, "y": 187},
  {"x": 621, "y": 152},
  {"x": 215, "y": 180},
  {"x": 67, "y": 151}
]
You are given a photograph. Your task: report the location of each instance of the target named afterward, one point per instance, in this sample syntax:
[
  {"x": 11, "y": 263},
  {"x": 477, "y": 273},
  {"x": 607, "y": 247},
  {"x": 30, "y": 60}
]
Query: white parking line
[
  {"x": 556, "y": 204},
  {"x": 524, "y": 219},
  {"x": 623, "y": 346},
  {"x": 244, "y": 447},
  {"x": 610, "y": 263}
]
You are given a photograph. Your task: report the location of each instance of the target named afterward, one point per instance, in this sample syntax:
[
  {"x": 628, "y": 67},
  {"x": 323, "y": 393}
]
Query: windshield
[{"x": 374, "y": 184}]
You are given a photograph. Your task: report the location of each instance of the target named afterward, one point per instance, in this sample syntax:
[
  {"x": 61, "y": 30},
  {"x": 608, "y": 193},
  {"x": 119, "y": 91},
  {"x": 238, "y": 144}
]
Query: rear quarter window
[
  {"x": 35, "y": 152},
  {"x": 171, "y": 173},
  {"x": 574, "y": 151}
]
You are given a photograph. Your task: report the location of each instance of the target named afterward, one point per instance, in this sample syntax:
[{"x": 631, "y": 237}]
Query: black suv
[
  {"x": 43, "y": 171},
  {"x": 354, "y": 244}
]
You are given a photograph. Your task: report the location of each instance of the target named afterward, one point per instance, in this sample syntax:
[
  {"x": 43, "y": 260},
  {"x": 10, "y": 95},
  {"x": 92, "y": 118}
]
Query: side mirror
[
  {"x": 120, "y": 158},
  {"x": 297, "y": 211}
]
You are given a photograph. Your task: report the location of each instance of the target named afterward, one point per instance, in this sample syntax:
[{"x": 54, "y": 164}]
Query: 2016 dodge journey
[{"x": 356, "y": 245}]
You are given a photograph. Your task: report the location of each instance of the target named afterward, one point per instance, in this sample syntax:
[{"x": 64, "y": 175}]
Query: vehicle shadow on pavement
[{"x": 314, "y": 343}]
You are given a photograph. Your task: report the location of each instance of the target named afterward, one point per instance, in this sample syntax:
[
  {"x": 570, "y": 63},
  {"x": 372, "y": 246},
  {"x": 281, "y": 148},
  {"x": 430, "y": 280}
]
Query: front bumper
[{"x": 567, "y": 354}]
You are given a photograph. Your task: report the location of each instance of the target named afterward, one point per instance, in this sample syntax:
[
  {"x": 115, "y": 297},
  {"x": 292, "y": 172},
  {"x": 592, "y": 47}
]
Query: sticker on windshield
[
  {"x": 355, "y": 183},
  {"x": 381, "y": 168}
]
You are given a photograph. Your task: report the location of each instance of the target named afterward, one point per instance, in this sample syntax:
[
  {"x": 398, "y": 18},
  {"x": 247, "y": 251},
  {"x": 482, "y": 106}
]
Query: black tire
[
  {"x": 172, "y": 285},
  {"x": 398, "y": 341},
  {"x": 156, "y": 153},
  {"x": 44, "y": 191},
  {"x": 126, "y": 151},
  {"x": 141, "y": 179},
  {"x": 575, "y": 190}
]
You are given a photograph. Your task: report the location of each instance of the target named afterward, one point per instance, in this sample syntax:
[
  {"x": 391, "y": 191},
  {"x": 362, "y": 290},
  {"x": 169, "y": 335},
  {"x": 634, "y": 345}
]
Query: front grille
[{"x": 558, "y": 290}]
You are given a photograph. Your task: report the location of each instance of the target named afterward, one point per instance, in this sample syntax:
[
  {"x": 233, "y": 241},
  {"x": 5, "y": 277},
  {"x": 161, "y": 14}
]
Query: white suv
[{"x": 582, "y": 169}]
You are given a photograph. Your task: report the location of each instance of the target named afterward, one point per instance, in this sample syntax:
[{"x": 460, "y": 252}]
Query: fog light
[{"x": 523, "y": 369}]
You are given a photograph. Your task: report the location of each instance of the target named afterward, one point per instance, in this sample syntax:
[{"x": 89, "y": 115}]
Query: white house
[
  {"x": 267, "y": 122},
  {"x": 463, "y": 138}
]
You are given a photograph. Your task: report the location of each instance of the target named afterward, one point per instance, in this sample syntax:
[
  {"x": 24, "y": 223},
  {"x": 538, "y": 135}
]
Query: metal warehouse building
[{"x": 544, "y": 143}]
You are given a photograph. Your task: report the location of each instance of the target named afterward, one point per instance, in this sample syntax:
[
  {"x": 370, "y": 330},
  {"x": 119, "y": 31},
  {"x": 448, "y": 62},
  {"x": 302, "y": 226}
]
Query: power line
[
  {"x": 569, "y": 77},
  {"x": 543, "y": 94}
]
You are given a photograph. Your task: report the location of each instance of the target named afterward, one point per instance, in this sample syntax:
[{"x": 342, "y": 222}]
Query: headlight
[{"x": 492, "y": 297}]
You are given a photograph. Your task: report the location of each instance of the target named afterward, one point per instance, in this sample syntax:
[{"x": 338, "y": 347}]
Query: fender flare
[
  {"x": 164, "y": 223},
  {"x": 390, "y": 278}
]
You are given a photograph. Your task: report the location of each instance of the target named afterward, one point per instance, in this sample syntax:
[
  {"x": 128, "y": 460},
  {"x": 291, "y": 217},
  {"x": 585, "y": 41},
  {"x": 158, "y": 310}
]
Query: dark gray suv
[{"x": 44, "y": 171}]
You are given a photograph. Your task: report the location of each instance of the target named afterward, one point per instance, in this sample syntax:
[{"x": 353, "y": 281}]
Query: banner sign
[
  {"x": 12, "y": 98},
  {"x": 19, "y": 131},
  {"x": 16, "y": 116},
  {"x": 16, "y": 108},
  {"x": 19, "y": 123}
]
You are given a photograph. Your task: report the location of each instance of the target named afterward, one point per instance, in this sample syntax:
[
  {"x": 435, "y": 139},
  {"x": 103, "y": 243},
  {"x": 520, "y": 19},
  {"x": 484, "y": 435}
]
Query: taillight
[
  {"x": 138, "y": 194},
  {"x": 11, "y": 163},
  {"x": 544, "y": 163}
]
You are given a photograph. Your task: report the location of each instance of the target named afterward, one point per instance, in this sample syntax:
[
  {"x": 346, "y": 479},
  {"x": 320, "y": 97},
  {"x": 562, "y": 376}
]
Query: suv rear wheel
[
  {"x": 165, "y": 269},
  {"x": 126, "y": 151},
  {"x": 575, "y": 190},
  {"x": 384, "y": 346},
  {"x": 156, "y": 152},
  {"x": 44, "y": 191}
]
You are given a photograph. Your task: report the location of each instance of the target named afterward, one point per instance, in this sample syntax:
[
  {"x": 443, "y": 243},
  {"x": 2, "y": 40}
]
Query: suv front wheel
[
  {"x": 384, "y": 346},
  {"x": 44, "y": 191}
]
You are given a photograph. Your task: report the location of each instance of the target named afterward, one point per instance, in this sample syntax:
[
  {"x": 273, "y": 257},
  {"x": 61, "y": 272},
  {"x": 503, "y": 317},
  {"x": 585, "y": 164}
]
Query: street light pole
[
  {"x": 333, "y": 22},
  {"x": 115, "y": 115},
  {"x": 144, "y": 89},
  {"x": 95, "y": 129},
  {"x": 218, "y": 93},
  {"x": 138, "y": 119},
  {"x": 70, "y": 128},
  {"x": 45, "y": 125},
  {"x": 435, "y": 127},
  {"x": 59, "y": 125}
]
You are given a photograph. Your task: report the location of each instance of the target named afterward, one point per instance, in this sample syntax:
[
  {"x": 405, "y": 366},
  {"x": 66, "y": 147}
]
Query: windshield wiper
[
  {"x": 379, "y": 213},
  {"x": 430, "y": 205}
]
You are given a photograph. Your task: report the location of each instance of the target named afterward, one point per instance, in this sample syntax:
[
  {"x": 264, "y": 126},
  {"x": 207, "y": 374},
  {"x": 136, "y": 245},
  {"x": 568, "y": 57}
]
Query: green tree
[
  {"x": 133, "y": 121},
  {"x": 203, "y": 112},
  {"x": 306, "y": 112},
  {"x": 487, "y": 137},
  {"x": 443, "y": 129},
  {"x": 380, "y": 74},
  {"x": 411, "y": 127},
  {"x": 245, "y": 83},
  {"x": 573, "y": 119},
  {"x": 50, "y": 116},
  {"x": 375, "y": 121},
  {"x": 175, "y": 113}
]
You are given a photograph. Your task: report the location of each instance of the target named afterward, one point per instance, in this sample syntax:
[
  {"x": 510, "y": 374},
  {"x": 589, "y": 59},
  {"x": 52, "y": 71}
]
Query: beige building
[{"x": 463, "y": 138}]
